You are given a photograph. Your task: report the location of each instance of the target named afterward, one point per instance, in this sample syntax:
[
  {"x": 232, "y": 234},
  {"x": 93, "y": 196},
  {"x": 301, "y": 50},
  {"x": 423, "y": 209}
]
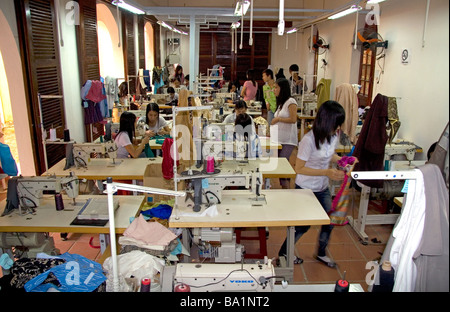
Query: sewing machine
[
  {"x": 30, "y": 189},
  {"x": 82, "y": 152},
  {"x": 257, "y": 277},
  {"x": 400, "y": 148},
  {"x": 212, "y": 184}
]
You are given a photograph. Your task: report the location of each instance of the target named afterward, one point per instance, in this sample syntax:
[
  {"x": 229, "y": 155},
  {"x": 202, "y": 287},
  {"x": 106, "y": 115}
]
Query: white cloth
[
  {"x": 315, "y": 159},
  {"x": 281, "y": 132},
  {"x": 407, "y": 235},
  {"x": 136, "y": 263}
]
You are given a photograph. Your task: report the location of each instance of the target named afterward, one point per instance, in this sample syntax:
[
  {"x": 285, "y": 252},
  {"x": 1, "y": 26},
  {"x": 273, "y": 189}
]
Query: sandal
[{"x": 325, "y": 260}]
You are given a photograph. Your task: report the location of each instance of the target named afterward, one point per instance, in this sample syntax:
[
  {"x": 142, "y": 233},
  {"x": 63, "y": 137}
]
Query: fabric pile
[{"x": 63, "y": 273}]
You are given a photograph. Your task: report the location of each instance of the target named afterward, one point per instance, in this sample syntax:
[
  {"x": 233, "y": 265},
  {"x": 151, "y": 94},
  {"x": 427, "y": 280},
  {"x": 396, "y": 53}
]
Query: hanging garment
[
  {"x": 167, "y": 163},
  {"x": 346, "y": 96},
  {"x": 440, "y": 154},
  {"x": 92, "y": 113},
  {"x": 431, "y": 258},
  {"x": 95, "y": 93},
  {"x": 323, "y": 91},
  {"x": 394, "y": 122},
  {"x": 369, "y": 148},
  {"x": 147, "y": 80}
]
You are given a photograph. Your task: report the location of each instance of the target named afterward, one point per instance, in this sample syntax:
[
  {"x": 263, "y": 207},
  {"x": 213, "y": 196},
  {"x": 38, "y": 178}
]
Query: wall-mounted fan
[
  {"x": 318, "y": 44},
  {"x": 367, "y": 39}
]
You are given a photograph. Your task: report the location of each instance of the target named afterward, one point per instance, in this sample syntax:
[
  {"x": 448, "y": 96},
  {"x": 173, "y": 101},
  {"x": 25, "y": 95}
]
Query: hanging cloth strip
[
  {"x": 338, "y": 212},
  {"x": 394, "y": 122}
]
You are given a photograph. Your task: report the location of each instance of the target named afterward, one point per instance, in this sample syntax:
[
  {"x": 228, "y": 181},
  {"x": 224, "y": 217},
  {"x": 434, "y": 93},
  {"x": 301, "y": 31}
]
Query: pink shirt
[{"x": 250, "y": 90}]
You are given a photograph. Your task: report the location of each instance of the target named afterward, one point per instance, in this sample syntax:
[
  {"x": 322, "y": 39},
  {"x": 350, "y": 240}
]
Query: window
[{"x": 366, "y": 71}]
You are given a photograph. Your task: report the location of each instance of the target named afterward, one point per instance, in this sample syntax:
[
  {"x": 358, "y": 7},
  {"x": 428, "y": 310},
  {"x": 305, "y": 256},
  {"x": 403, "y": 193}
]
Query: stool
[{"x": 261, "y": 238}]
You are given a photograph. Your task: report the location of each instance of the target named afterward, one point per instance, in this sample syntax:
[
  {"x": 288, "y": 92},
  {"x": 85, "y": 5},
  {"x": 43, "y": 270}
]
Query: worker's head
[
  {"x": 151, "y": 113},
  {"x": 267, "y": 74},
  {"x": 243, "y": 125},
  {"x": 240, "y": 108},
  {"x": 282, "y": 91},
  {"x": 128, "y": 123},
  {"x": 171, "y": 92},
  {"x": 330, "y": 117}
]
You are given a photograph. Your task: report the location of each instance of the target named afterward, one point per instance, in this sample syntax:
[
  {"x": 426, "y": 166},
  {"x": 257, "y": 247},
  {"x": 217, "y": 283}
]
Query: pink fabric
[
  {"x": 152, "y": 233},
  {"x": 95, "y": 93}
]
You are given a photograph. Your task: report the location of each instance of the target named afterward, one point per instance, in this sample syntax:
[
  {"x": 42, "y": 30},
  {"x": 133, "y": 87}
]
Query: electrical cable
[{"x": 223, "y": 279}]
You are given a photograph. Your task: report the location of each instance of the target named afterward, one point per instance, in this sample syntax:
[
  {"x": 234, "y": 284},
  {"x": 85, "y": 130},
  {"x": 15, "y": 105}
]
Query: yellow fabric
[{"x": 323, "y": 91}]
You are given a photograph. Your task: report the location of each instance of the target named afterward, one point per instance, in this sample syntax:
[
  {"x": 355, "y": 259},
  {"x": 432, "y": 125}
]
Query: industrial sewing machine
[
  {"x": 30, "y": 189},
  {"x": 29, "y": 192},
  {"x": 257, "y": 277},
  {"x": 220, "y": 243},
  {"x": 82, "y": 152}
]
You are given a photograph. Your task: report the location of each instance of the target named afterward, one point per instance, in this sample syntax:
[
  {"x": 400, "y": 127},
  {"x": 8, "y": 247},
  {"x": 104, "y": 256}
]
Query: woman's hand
[
  {"x": 275, "y": 120},
  {"x": 335, "y": 174},
  {"x": 150, "y": 133}
]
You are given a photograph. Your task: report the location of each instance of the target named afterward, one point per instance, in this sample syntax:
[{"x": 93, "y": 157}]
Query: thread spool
[
  {"x": 66, "y": 135},
  {"x": 52, "y": 135},
  {"x": 59, "y": 202},
  {"x": 182, "y": 288},
  {"x": 145, "y": 284},
  {"x": 341, "y": 285},
  {"x": 387, "y": 274},
  {"x": 210, "y": 164}
]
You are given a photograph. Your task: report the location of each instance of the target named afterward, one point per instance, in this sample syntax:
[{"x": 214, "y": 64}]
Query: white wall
[
  {"x": 422, "y": 85},
  {"x": 70, "y": 77}
]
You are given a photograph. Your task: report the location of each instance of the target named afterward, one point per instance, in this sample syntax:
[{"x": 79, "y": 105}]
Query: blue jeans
[{"x": 324, "y": 198}]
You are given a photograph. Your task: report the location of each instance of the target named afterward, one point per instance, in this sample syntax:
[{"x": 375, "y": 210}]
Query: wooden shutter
[
  {"x": 42, "y": 73},
  {"x": 128, "y": 49},
  {"x": 88, "y": 58}
]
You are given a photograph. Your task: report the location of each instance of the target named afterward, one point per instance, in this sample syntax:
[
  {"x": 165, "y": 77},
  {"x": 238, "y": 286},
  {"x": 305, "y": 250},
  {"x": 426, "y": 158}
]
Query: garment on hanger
[
  {"x": 147, "y": 79},
  {"x": 370, "y": 147},
  {"x": 346, "y": 96},
  {"x": 440, "y": 154},
  {"x": 431, "y": 258},
  {"x": 323, "y": 91},
  {"x": 394, "y": 122}
]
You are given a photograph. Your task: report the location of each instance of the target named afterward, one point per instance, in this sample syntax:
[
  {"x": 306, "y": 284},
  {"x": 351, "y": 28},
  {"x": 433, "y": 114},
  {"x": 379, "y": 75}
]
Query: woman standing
[
  {"x": 250, "y": 86},
  {"x": 124, "y": 139},
  {"x": 284, "y": 124},
  {"x": 315, "y": 152},
  {"x": 269, "y": 94}
]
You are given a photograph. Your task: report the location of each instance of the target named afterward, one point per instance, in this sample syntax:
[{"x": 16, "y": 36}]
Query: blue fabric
[
  {"x": 78, "y": 274},
  {"x": 162, "y": 211},
  {"x": 8, "y": 163}
]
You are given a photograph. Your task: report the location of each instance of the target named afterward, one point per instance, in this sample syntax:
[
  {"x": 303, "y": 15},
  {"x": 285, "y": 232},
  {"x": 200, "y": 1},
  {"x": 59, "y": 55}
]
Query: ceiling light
[
  {"x": 241, "y": 7},
  {"x": 235, "y": 25},
  {"x": 293, "y": 30},
  {"x": 352, "y": 9},
  {"x": 374, "y": 1},
  {"x": 172, "y": 28},
  {"x": 129, "y": 7}
]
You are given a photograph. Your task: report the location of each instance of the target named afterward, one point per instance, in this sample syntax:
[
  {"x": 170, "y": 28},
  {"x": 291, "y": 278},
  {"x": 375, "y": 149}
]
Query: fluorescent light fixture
[
  {"x": 236, "y": 25},
  {"x": 241, "y": 5},
  {"x": 292, "y": 30},
  {"x": 352, "y": 9},
  {"x": 374, "y": 1},
  {"x": 129, "y": 7},
  {"x": 172, "y": 28}
]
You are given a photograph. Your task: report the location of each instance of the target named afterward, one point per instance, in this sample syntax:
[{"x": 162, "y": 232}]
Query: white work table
[
  {"x": 101, "y": 169},
  {"x": 287, "y": 208},
  {"x": 48, "y": 219}
]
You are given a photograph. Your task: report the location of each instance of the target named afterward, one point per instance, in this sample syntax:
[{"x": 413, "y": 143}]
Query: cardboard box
[{"x": 153, "y": 177}]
